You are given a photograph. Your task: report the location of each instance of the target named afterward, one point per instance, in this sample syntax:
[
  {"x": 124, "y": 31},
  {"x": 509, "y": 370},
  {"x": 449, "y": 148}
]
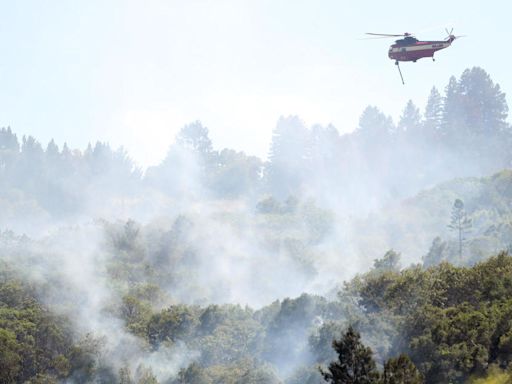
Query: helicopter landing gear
[{"x": 399, "y": 71}]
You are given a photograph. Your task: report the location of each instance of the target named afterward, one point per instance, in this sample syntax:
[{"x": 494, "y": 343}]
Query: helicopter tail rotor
[
  {"x": 451, "y": 37},
  {"x": 449, "y": 33}
]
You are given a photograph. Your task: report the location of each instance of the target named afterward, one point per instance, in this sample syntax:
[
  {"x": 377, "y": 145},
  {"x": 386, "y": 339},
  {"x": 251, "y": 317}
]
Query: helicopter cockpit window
[{"x": 407, "y": 40}]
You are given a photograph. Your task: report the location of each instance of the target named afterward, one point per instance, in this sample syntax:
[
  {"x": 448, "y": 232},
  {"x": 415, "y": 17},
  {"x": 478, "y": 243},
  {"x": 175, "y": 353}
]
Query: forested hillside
[
  {"x": 453, "y": 323},
  {"x": 461, "y": 133},
  {"x": 219, "y": 267}
]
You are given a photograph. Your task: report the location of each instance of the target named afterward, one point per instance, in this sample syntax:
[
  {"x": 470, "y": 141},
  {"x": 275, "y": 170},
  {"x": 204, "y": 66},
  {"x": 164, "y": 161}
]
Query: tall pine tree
[
  {"x": 433, "y": 116},
  {"x": 460, "y": 223},
  {"x": 289, "y": 156}
]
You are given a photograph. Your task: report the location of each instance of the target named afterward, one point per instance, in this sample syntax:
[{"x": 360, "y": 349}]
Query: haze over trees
[
  {"x": 218, "y": 267},
  {"x": 461, "y": 133}
]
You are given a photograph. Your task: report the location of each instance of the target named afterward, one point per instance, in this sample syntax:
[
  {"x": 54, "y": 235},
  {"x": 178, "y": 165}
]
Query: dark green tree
[
  {"x": 355, "y": 364},
  {"x": 401, "y": 370}
]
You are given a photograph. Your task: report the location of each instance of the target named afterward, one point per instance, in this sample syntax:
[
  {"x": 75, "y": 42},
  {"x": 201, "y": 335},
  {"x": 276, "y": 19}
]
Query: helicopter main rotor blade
[
  {"x": 376, "y": 38},
  {"x": 384, "y": 34}
]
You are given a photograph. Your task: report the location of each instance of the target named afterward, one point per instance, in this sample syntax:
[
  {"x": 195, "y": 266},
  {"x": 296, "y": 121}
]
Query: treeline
[{"x": 463, "y": 132}]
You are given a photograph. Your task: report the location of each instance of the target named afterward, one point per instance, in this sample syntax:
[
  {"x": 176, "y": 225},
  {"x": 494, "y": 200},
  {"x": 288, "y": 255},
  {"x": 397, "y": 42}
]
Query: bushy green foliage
[
  {"x": 36, "y": 346},
  {"x": 401, "y": 370},
  {"x": 454, "y": 321},
  {"x": 494, "y": 376}
]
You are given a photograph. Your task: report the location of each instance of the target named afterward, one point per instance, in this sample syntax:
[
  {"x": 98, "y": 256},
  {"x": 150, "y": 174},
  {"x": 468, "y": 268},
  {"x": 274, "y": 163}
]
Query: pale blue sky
[{"x": 133, "y": 72}]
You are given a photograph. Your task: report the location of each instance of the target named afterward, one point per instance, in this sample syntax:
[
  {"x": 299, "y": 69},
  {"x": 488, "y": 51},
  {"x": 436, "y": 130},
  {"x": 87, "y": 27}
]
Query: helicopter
[{"x": 409, "y": 48}]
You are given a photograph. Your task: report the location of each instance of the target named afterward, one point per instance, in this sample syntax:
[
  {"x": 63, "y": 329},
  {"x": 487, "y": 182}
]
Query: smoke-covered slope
[
  {"x": 419, "y": 226},
  {"x": 184, "y": 272}
]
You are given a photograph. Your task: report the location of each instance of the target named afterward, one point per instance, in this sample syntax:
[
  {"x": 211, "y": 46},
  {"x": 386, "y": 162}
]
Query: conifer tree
[
  {"x": 355, "y": 364},
  {"x": 289, "y": 157},
  {"x": 410, "y": 119},
  {"x": 433, "y": 114},
  {"x": 450, "y": 123},
  {"x": 8, "y": 140},
  {"x": 482, "y": 102},
  {"x": 460, "y": 223}
]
